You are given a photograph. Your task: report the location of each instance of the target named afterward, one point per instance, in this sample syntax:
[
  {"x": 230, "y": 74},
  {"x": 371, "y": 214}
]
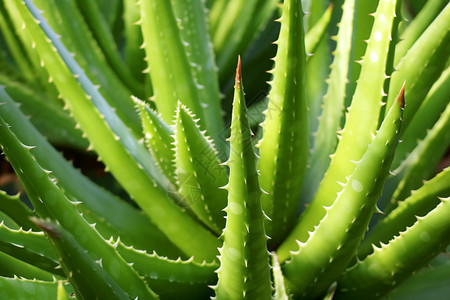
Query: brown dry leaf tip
[
  {"x": 237, "y": 84},
  {"x": 50, "y": 230},
  {"x": 401, "y": 95}
]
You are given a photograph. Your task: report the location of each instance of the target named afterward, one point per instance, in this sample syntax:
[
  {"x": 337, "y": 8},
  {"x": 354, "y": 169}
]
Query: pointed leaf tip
[
  {"x": 46, "y": 226},
  {"x": 401, "y": 95},
  {"x": 237, "y": 84}
]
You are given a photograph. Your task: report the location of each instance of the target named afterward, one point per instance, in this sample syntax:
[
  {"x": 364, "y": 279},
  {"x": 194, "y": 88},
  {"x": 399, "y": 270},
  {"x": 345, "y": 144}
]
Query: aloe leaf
[
  {"x": 199, "y": 172},
  {"x": 66, "y": 20},
  {"x": 134, "y": 54},
  {"x": 333, "y": 106},
  {"x": 77, "y": 264},
  {"x": 362, "y": 27},
  {"x": 419, "y": 203},
  {"x": 216, "y": 9},
  {"x": 16, "y": 210},
  {"x": 284, "y": 147},
  {"x": 317, "y": 31},
  {"x": 391, "y": 264},
  {"x": 258, "y": 52},
  {"x": 171, "y": 279},
  {"x": 53, "y": 122},
  {"x": 49, "y": 202},
  {"x": 244, "y": 270},
  {"x": 60, "y": 64},
  {"x": 94, "y": 198},
  {"x": 281, "y": 292},
  {"x": 360, "y": 126},
  {"x": 236, "y": 28},
  {"x": 27, "y": 44},
  {"x": 104, "y": 36},
  {"x": 20, "y": 288},
  {"x": 110, "y": 9},
  {"x": 159, "y": 140},
  {"x": 33, "y": 241},
  {"x": 431, "y": 283},
  {"x": 12, "y": 267},
  {"x": 421, "y": 66},
  {"x": 195, "y": 35},
  {"x": 420, "y": 164},
  {"x": 14, "y": 46},
  {"x": 332, "y": 244},
  {"x": 258, "y": 59},
  {"x": 317, "y": 69},
  {"x": 30, "y": 247},
  {"x": 169, "y": 62},
  {"x": 417, "y": 26},
  {"x": 61, "y": 293},
  {"x": 32, "y": 259},
  {"x": 428, "y": 113},
  {"x": 11, "y": 17},
  {"x": 124, "y": 155}
]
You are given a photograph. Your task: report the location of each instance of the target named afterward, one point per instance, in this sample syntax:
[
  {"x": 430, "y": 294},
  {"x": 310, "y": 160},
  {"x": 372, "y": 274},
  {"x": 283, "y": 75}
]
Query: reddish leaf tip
[
  {"x": 46, "y": 226},
  {"x": 401, "y": 95},
  {"x": 237, "y": 84}
]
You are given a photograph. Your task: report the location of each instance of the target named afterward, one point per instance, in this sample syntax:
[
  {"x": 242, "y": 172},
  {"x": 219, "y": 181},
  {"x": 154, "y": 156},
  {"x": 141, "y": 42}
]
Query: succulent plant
[{"x": 296, "y": 189}]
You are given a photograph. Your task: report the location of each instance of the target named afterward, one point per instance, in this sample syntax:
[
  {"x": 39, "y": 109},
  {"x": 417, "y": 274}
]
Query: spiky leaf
[
  {"x": 284, "y": 147},
  {"x": 244, "y": 271}
]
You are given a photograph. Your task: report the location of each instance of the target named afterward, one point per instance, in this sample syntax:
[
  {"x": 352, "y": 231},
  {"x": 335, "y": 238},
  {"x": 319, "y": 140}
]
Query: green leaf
[
  {"x": 169, "y": 62},
  {"x": 281, "y": 292},
  {"x": 318, "y": 31},
  {"x": 421, "y": 163},
  {"x": 158, "y": 139},
  {"x": 199, "y": 172},
  {"x": 419, "y": 203},
  {"x": 95, "y": 199},
  {"x": 317, "y": 68},
  {"x": 417, "y": 26},
  {"x": 20, "y": 288},
  {"x": 87, "y": 276},
  {"x": 50, "y": 202},
  {"x": 12, "y": 267},
  {"x": 194, "y": 32},
  {"x": 68, "y": 22},
  {"x": 50, "y": 119},
  {"x": 105, "y": 39},
  {"x": 427, "y": 115},
  {"x": 244, "y": 261},
  {"x": 332, "y": 244},
  {"x": 430, "y": 283},
  {"x": 171, "y": 279},
  {"x": 15, "y": 47},
  {"x": 32, "y": 57},
  {"x": 360, "y": 126},
  {"x": 422, "y": 65},
  {"x": 16, "y": 210},
  {"x": 391, "y": 264},
  {"x": 235, "y": 25},
  {"x": 333, "y": 106},
  {"x": 124, "y": 155},
  {"x": 30, "y": 247},
  {"x": 284, "y": 146}
]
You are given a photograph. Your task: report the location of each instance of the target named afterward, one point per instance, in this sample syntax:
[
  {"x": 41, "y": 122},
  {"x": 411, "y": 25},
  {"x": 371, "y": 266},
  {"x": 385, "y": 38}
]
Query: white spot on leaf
[
  {"x": 378, "y": 36},
  {"x": 235, "y": 208},
  {"x": 373, "y": 57},
  {"x": 357, "y": 186}
]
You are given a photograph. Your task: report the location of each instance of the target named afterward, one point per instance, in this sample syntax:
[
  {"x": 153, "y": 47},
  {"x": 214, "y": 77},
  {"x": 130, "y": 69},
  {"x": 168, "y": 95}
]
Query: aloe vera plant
[{"x": 328, "y": 181}]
